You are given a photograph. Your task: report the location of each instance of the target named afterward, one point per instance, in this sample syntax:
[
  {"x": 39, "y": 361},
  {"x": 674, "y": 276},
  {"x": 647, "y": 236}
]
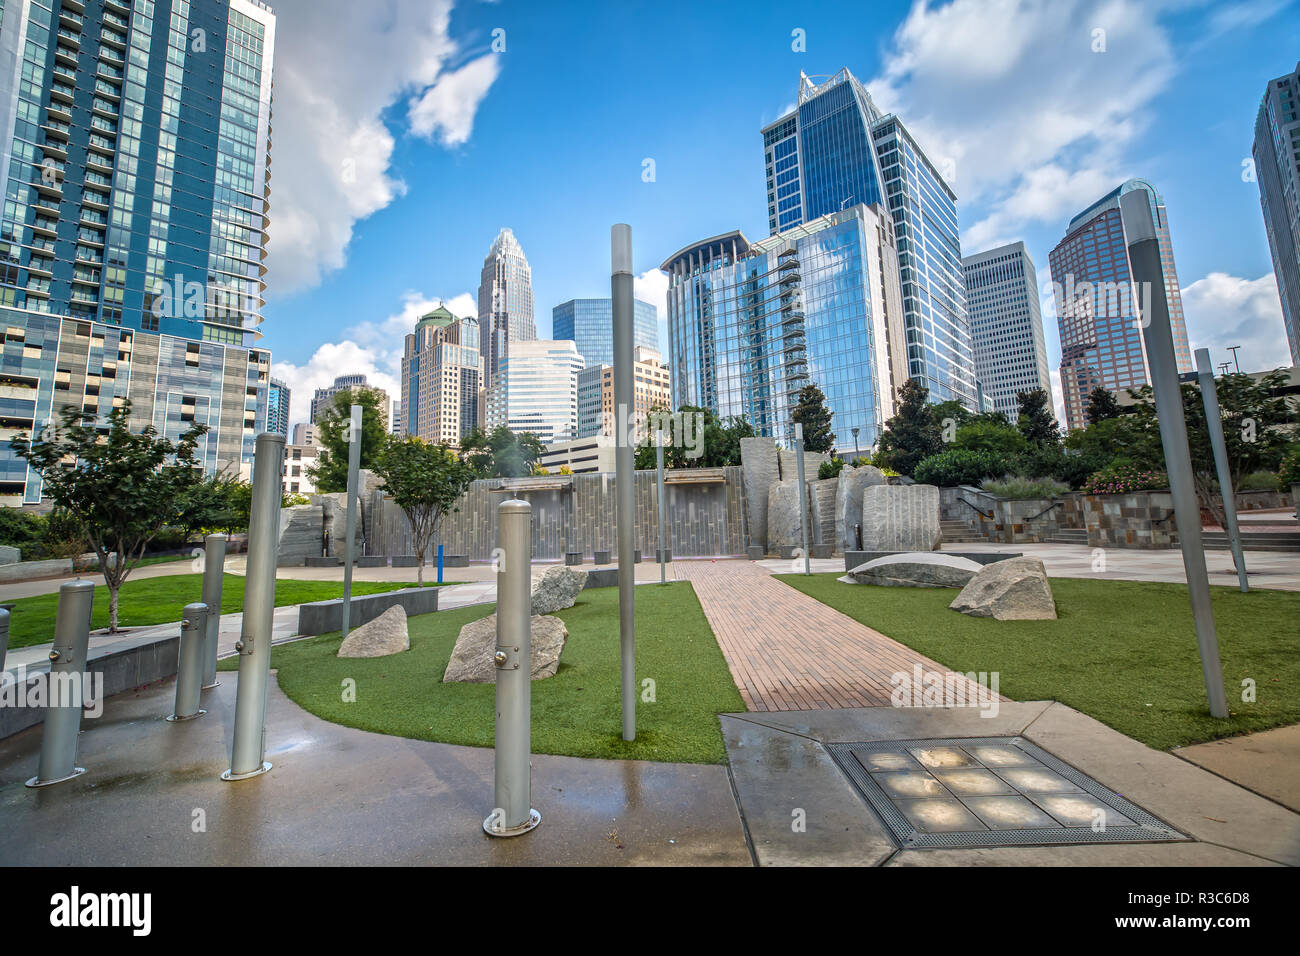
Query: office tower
[
  {"x": 298, "y": 459},
  {"x": 1277, "y": 167},
  {"x": 537, "y": 390},
  {"x": 440, "y": 378},
  {"x": 277, "y": 412},
  {"x": 589, "y": 323},
  {"x": 750, "y": 324},
  {"x": 1101, "y": 333},
  {"x": 134, "y": 155},
  {"x": 651, "y": 382},
  {"x": 322, "y": 399},
  {"x": 396, "y": 428},
  {"x": 505, "y": 302},
  {"x": 1006, "y": 325},
  {"x": 304, "y": 433},
  {"x": 835, "y": 150}
]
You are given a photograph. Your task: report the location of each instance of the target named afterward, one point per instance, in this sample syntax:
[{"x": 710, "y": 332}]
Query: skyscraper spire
[{"x": 505, "y": 302}]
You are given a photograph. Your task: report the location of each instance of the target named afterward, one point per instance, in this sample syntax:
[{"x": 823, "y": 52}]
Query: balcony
[
  {"x": 65, "y": 56},
  {"x": 111, "y": 38},
  {"x": 122, "y": 6},
  {"x": 68, "y": 15}
]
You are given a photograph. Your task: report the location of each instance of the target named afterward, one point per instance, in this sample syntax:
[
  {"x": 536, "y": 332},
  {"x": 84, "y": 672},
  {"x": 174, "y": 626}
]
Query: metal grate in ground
[{"x": 989, "y": 791}]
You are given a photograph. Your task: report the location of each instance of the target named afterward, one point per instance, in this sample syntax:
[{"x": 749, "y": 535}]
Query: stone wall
[{"x": 1143, "y": 520}]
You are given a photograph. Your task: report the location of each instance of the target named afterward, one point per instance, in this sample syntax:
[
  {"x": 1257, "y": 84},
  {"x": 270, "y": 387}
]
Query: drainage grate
[{"x": 989, "y": 791}]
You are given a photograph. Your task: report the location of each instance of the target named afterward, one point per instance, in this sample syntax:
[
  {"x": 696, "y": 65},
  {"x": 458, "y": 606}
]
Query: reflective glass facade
[
  {"x": 537, "y": 390},
  {"x": 751, "y": 323},
  {"x": 1093, "y": 296},
  {"x": 1007, "y": 325},
  {"x": 836, "y": 149},
  {"x": 505, "y": 302},
  {"x": 590, "y": 324},
  {"x": 1277, "y": 168},
  {"x": 277, "y": 410}
]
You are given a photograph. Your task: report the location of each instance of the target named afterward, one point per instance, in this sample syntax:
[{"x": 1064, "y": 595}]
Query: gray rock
[
  {"x": 300, "y": 534},
  {"x": 1011, "y": 590},
  {"x": 10, "y": 555},
  {"x": 822, "y": 494},
  {"x": 848, "y": 502},
  {"x": 761, "y": 464},
  {"x": 557, "y": 589},
  {"x": 900, "y": 518},
  {"x": 918, "y": 569},
  {"x": 471, "y": 659},
  {"x": 386, "y": 634},
  {"x": 783, "y": 530}
]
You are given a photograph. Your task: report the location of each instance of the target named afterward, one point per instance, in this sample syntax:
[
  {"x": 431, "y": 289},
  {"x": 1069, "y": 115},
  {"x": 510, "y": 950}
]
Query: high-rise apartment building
[
  {"x": 1277, "y": 167},
  {"x": 135, "y": 159},
  {"x": 441, "y": 378},
  {"x": 322, "y": 399},
  {"x": 1098, "y": 307},
  {"x": 750, "y": 324},
  {"x": 537, "y": 390},
  {"x": 277, "y": 412},
  {"x": 1006, "y": 325},
  {"x": 505, "y": 303},
  {"x": 590, "y": 324},
  {"x": 835, "y": 150},
  {"x": 652, "y": 384}
]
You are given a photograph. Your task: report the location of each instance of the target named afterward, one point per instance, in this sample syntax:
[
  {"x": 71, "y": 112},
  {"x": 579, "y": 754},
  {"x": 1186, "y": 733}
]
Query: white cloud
[
  {"x": 1223, "y": 310},
  {"x": 338, "y": 66},
  {"x": 446, "y": 109},
  {"x": 652, "y": 286},
  {"x": 1010, "y": 94},
  {"x": 373, "y": 349}
]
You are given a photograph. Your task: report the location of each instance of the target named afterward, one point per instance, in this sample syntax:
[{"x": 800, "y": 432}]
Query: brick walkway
[{"x": 788, "y": 651}]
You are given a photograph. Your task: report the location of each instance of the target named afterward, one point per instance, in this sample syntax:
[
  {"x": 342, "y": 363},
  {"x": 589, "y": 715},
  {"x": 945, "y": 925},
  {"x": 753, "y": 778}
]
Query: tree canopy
[
  {"x": 501, "y": 453},
  {"x": 913, "y": 434},
  {"x": 815, "y": 416},
  {"x": 425, "y": 481},
  {"x": 330, "y": 473}
]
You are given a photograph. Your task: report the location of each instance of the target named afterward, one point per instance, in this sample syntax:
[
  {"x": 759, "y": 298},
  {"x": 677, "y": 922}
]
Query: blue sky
[{"x": 403, "y": 142}]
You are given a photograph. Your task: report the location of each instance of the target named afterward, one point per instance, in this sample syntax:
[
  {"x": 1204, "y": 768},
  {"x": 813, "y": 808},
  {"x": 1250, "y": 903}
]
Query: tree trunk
[
  {"x": 112, "y": 608},
  {"x": 419, "y": 569}
]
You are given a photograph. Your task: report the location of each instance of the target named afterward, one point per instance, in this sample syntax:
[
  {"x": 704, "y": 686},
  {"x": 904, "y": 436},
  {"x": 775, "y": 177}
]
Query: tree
[
  {"x": 501, "y": 453},
  {"x": 717, "y": 442},
  {"x": 1102, "y": 406},
  {"x": 330, "y": 473},
  {"x": 120, "y": 486},
  {"x": 812, "y": 413},
  {"x": 215, "y": 501},
  {"x": 1036, "y": 420},
  {"x": 425, "y": 481},
  {"x": 991, "y": 434},
  {"x": 913, "y": 434}
]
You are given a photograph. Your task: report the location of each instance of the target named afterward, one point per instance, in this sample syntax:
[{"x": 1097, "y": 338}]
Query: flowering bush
[{"x": 1123, "y": 480}]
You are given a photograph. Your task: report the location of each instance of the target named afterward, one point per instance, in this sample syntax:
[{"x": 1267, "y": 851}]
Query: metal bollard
[
  {"x": 67, "y": 672},
  {"x": 214, "y": 566},
  {"x": 512, "y": 812},
  {"x": 254, "y": 647},
  {"x": 189, "y": 663},
  {"x": 4, "y": 637},
  {"x": 621, "y": 296}
]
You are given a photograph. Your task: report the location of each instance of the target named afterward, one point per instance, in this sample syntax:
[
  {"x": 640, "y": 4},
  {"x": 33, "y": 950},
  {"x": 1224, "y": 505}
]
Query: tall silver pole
[
  {"x": 659, "y": 481},
  {"x": 68, "y": 670},
  {"x": 354, "y": 465},
  {"x": 4, "y": 637},
  {"x": 1148, "y": 273},
  {"x": 512, "y": 812},
  {"x": 214, "y": 566},
  {"x": 1214, "y": 422},
  {"x": 254, "y": 647},
  {"x": 803, "y": 496},
  {"x": 189, "y": 663},
  {"x": 624, "y": 401}
]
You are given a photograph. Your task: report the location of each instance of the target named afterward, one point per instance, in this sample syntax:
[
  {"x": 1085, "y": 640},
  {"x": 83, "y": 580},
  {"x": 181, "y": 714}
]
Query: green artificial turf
[
  {"x": 1123, "y": 652},
  {"x": 577, "y": 712},
  {"x": 160, "y": 600}
]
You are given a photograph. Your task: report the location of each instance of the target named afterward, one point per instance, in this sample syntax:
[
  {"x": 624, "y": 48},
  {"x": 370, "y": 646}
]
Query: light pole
[
  {"x": 1233, "y": 350},
  {"x": 1214, "y": 424},
  {"x": 624, "y": 403},
  {"x": 856, "y": 454}
]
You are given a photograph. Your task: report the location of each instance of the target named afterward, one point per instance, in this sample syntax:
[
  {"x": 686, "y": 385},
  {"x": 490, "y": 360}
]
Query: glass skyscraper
[
  {"x": 1101, "y": 334},
  {"x": 505, "y": 302},
  {"x": 1277, "y": 168},
  {"x": 750, "y": 324},
  {"x": 277, "y": 411},
  {"x": 537, "y": 390},
  {"x": 590, "y": 324},
  {"x": 1007, "y": 325},
  {"x": 135, "y": 157},
  {"x": 835, "y": 150}
]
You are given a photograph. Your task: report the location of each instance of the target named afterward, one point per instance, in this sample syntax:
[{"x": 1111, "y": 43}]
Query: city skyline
[{"x": 1046, "y": 174}]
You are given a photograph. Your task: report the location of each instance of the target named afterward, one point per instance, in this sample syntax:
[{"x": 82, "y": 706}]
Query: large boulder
[
  {"x": 557, "y": 589},
  {"x": 762, "y": 467},
  {"x": 917, "y": 569},
  {"x": 783, "y": 528},
  {"x": 900, "y": 518},
  {"x": 821, "y": 499},
  {"x": 848, "y": 502},
  {"x": 1012, "y": 590},
  {"x": 471, "y": 659},
  {"x": 300, "y": 535},
  {"x": 386, "y": 634}
]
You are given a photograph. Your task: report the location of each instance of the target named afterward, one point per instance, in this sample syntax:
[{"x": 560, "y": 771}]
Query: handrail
[
  {"x": 1054, "y": 504},
  {"x": 989, "y": 515}
]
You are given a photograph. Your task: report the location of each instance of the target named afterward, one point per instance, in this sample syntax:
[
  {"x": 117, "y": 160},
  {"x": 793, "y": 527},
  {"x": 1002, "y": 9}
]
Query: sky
[{"x": 407, "y": 133}]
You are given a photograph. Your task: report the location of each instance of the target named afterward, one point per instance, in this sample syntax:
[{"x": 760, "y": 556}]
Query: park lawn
[
  {"x": 576, "y": 713},
  {"x": 160, "y": 600},
  {"x": 1123, "y": 652}
]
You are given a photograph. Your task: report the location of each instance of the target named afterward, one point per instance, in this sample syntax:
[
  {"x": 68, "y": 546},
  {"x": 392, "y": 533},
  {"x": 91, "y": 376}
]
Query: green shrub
[
  {"x": 830, "y": 468},
  {"x": 23, "y": 530},
  {"x": 959, "y": 467},
  {"x": 65, "y": 535},
  {"x": 1017, "y": 487},
  {"x": 1261, "y": 481},
  {"x": 1053, "y": 462},
  {"x": 1289, "y": 473},
  {"x": 1124, "y": 479}
]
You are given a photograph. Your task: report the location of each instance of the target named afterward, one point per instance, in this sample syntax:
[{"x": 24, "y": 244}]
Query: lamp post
[
  {"x": 624, "y": 402},
  {"x": 856, "y": 454}
]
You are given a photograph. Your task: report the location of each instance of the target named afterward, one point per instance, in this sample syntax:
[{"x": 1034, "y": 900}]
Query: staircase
[
  {"x": 958, "y": 532},
  {"x": 1253, "y": 541},
  {"x": 1077, "y": 536}
]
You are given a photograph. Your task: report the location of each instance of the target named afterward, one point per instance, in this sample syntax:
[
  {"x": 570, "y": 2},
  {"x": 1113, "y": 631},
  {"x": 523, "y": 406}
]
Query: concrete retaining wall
[{"x": 322, "y": 617}]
